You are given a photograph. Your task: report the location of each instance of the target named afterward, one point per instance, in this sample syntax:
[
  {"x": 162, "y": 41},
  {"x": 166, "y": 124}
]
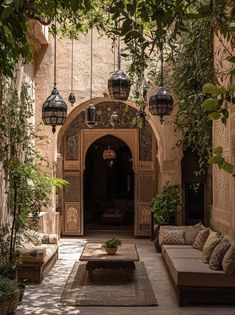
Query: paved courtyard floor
[{"x": 42, "y": 299}]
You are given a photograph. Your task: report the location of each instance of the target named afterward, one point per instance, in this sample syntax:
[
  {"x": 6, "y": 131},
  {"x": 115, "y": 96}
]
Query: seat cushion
[
  {"x": 50, "y": 251},
  {"x": 193, "y": 272},
  {"x": 39, "y": 254}
]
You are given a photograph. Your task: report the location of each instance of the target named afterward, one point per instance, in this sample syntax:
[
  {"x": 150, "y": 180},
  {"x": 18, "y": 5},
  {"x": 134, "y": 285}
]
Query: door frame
[{"x": 131, "y": 139}]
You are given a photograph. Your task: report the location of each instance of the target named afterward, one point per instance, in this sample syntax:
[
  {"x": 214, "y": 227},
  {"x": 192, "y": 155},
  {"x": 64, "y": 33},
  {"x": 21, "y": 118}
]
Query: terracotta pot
[{"x": 110, "y": 250}]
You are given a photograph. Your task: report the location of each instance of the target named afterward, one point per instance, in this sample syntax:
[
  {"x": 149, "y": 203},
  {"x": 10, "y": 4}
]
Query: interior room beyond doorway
[{"x": 108, "y": 186}]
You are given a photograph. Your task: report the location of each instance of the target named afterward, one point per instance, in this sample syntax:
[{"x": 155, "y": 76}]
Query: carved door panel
[
  {"x": 145, "y": 193},
  {"x": 72, "y": 209}
]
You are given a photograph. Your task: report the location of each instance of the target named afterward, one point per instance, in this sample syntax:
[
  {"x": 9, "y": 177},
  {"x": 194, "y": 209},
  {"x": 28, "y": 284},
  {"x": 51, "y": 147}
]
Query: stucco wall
[
  {"x": 223, "y": 210},
  {"x": 169, "y": 159}
]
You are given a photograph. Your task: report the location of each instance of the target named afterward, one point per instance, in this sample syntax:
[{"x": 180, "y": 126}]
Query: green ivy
[
  {"x": 193, "y": 67},
  {"x": 28, "y": 188}
]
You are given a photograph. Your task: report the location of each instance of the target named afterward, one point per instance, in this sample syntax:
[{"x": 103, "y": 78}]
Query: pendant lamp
[
  {"x": 119, "y": 84},
  {"x": 161, "y": 103},
  {"x": 91, "y": 111},
  {"x": 109, "y": 155},
  {"x": 54, "y": 110},
  {"x": 72, "y": 97}
]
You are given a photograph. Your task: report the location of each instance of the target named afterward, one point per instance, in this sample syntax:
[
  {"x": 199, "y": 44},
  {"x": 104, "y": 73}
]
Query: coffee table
[{"x": 96, "y": 257}]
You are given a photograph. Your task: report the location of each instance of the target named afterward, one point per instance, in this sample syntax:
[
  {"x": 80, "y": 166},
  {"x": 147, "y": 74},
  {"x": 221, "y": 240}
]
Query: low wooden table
[{"x": 96, "y": 257}]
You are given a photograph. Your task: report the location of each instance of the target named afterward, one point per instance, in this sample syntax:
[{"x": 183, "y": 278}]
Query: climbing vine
[
  {"x": 193, "y": 67},
  {"x": 28, "y": 189}
]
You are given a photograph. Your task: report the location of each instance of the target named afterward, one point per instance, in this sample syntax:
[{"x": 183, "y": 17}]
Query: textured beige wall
[
  {"x": 223, "y": 210},
  {"x": 169, "y": 159},
  {"x": 102, "y": 67}
]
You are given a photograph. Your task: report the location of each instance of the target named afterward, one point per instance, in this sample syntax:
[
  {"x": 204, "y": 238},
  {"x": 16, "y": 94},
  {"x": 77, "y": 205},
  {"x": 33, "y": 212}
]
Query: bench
[{"x": 195, "y": 282}]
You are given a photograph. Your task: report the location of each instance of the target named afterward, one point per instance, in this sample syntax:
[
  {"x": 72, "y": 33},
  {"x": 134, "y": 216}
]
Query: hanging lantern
[
  {"x": 161, "y": 103},
  {"x": 54, "y": 110},
  {"x": 114, "y": 119},
  {"x": 91, "y": 111},
  {"x": 90, "y": 116},
  {"x": 72, "y": 98},
  {"x": 109, "y": 155},
  {"x": 119, "y": 86}
]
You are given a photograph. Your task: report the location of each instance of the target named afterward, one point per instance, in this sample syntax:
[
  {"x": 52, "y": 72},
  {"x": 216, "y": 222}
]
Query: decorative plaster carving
[
  {"x": 146, "y": 138},
  {"x": 72, "y": 219},
  {"x": 144, "y": 214},
  {"x": 71, "y": 141}
]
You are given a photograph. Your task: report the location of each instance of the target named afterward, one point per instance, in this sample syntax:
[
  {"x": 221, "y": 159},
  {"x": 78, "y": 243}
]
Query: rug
[{"x": 108, "y": 288}]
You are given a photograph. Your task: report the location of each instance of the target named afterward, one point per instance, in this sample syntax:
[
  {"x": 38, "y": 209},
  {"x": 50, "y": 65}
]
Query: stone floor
[{"x": 42, "y": 299}]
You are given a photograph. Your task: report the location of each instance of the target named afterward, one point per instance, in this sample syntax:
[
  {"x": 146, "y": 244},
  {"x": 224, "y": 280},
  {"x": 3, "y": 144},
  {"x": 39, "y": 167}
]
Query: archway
[
  {"x": 74, "y": 142},
  {"x": 108, "y": 186}
]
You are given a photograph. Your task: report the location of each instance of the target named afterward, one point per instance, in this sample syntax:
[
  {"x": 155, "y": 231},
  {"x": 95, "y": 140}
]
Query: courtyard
[
  {"x": 43, "y": 299},
  {"x": 117, "y": 119}
]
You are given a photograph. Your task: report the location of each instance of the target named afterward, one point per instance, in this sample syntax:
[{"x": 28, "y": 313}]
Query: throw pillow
[
  {"x": 191, "y": 233},
  {"x": 218, "y": 253},
  {"x": 213, "y": 239},
  {"x": 201, "y": 238},
  {"x": 172, "y": 237},
  {"x": 27, "y": 245},
  {"x": 228, "y": 263},
  {"x": 33, "y": 237}
]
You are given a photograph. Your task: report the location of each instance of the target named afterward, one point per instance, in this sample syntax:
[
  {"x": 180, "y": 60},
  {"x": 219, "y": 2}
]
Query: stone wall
[{"x": 223, "y": 210}]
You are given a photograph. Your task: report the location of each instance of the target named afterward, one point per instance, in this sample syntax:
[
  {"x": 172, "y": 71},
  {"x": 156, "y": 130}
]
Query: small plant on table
[{"x": 111, "y": 245}]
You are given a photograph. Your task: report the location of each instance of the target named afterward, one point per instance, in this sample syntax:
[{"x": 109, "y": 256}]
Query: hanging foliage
[{"x": 191, "y": 72}]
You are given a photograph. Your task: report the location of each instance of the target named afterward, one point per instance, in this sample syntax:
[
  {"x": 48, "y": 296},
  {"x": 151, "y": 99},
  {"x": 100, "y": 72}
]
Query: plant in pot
[
  {"x": 9, "y": 295},
  {"x": 165, "y": 207},
  {"x": 111, "y": 245}
]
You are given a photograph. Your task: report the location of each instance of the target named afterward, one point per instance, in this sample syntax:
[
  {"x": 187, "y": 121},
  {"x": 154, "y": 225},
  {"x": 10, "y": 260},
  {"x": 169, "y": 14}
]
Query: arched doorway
[
  {"x": 108, "y": 186},
  {"x": 75, "y": 140}
]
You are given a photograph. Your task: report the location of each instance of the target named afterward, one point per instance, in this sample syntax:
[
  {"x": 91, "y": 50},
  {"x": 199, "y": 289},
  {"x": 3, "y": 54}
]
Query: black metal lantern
[
  {"x": 90, "y": 116},
  {"x": 119, "y": 86},
  {"x": 54, "y": 110},
  {"x": 161, "y": 103},
  {"x": 91, "y": 111},
  {"x": 72, "y": 97}
]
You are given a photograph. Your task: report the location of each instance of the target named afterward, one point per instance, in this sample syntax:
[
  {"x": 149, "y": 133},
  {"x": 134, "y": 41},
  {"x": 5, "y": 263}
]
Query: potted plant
[
  {"x": 165, "y": 206},
  {"x": 111, "y": 245},
  {"x": 9, "y": 295}
]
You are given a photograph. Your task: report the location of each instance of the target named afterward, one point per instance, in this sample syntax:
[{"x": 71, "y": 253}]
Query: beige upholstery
[
  {"x": 187, "y": 269},
  {"x": 37, "y": 261},
  {"x": 194, "y": 281},
  {"x": 212, "y": 241}
]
